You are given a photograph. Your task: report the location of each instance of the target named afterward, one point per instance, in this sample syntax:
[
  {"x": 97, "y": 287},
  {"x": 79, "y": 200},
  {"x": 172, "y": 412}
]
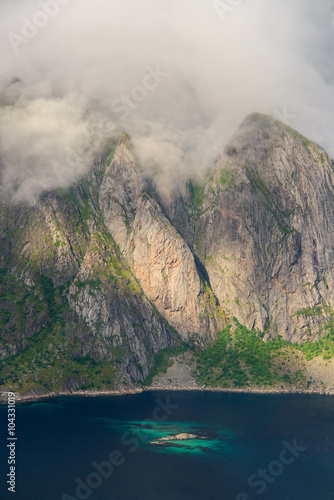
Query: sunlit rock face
[
  {"x": 114, "y": 270},
  {"x": 267, "y": 217},
  {"x": 159, "y": 257}
]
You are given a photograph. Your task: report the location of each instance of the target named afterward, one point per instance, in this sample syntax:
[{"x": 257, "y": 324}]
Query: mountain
[
  {"x": 267, "y": 217},
  {"x": 98, "y": 279}
]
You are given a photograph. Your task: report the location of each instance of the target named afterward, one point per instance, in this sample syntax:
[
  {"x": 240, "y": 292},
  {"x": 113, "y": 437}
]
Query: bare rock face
[
  {"x": 110, "y": 272},
  {"x": 63, "y": 279},
  {"x": 159, "y": 257},
  {"x": 127, "y": 331},
  {"x": 267, "y": 217}
]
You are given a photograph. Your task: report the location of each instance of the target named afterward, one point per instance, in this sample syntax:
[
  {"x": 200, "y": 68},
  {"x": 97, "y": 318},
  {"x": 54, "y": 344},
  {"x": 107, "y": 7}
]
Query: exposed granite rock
[
  {"x": 182, "y": 436},
  {"x": 128, "y": 330},
  {"x": 110, "y": 271},
  {"x": 63, "y": 277},
  {"x": 267, "y": 217},
  {"x": 159, "y": 257}
]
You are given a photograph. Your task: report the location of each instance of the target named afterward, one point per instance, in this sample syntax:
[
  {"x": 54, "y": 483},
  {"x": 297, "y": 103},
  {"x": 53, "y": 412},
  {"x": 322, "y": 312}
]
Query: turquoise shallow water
[
  {"x": 60, "y": 440},
  {"x": 213, "y": 438}
]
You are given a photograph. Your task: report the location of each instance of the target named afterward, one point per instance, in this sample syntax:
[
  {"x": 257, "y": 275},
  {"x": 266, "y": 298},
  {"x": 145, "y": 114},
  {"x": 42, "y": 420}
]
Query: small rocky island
[{"x": 182, "y": 436}]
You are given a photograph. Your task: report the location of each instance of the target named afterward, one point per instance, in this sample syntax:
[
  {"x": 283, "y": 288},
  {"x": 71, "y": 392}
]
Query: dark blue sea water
[{"x": 256, "y": 447}]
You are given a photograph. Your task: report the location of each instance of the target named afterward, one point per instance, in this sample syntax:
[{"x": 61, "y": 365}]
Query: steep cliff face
[
  {"x": 159, "y": 257},
  {"x": 68, "y": 299},
  {"x": 97, "y": 279},
  {"x": 267, "y": 217}
]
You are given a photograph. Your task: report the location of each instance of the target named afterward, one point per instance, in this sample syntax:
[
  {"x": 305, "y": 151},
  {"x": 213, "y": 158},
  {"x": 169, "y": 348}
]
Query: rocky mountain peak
[
  {"x": 108, "y": 271},
  {"x": 267, "y": 217}
]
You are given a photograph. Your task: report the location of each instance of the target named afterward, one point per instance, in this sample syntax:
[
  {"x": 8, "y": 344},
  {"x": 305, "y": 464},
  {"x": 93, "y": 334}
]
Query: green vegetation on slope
[
  {"x": 240, "y": 358},
  {"x": 324, "y": 347},
  {"x": 305, "y": 142},
  {"x": 46, "y": 359},
  {"x": 197, "y": 198}
]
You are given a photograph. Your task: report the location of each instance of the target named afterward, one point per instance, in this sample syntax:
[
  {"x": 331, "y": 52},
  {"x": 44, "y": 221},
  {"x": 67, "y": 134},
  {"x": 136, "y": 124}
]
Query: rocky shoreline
[
  {"x": 244, "y": 390},
  {"x": 22, "y": 398},
  {"x": 181, "y": 376}
]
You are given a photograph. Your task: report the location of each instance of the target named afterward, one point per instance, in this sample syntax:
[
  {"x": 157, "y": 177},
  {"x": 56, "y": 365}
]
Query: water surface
[{"x": 236, "y": 436}]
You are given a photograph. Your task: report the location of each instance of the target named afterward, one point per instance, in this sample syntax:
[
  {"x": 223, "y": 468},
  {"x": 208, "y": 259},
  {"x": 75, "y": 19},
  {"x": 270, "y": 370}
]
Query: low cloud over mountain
[{"x": 178, "y": 76}]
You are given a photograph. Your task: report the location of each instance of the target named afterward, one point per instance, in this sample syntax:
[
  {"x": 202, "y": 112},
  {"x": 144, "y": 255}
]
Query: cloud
[
  {"x": 47, "y": 143},
  {"x": 176, "y": 74}
]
